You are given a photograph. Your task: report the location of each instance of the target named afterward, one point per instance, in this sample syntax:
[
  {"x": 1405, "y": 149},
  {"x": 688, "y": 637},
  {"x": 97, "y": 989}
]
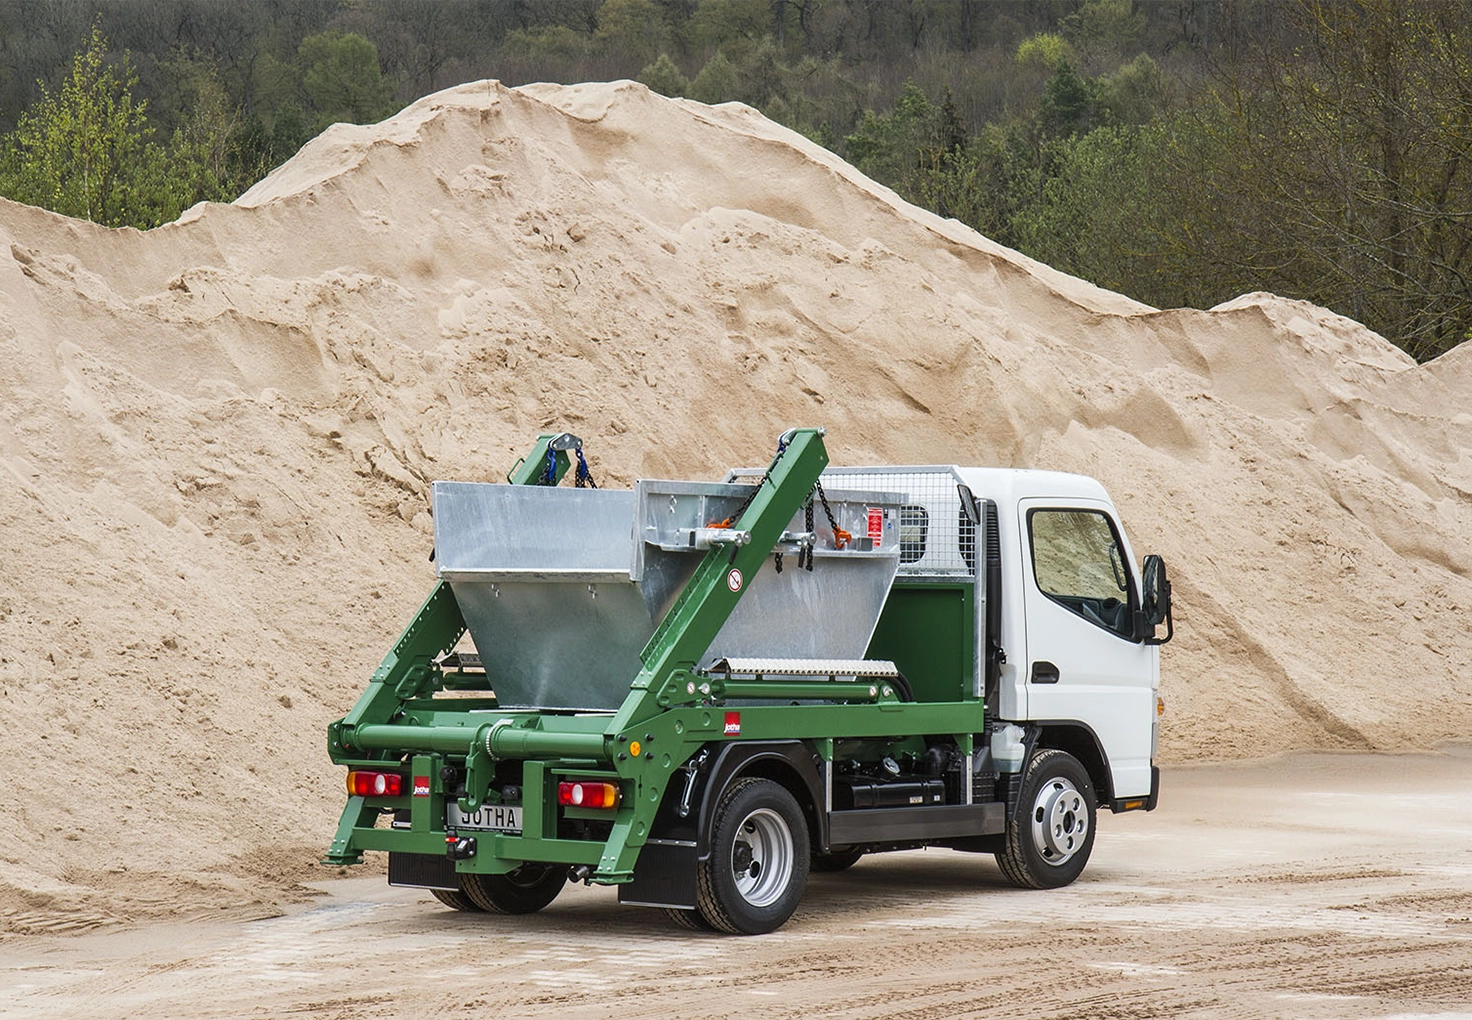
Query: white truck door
[{"x": 1083, "y": 663}]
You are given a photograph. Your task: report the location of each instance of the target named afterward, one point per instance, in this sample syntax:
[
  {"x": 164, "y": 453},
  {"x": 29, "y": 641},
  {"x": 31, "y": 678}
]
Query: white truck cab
[{"x": 1065, "y": 650}]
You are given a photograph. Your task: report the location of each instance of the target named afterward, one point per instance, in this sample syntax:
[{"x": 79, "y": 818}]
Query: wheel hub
[
  {"x": 762, "y": 857},
  {"x": 1060, "y": 821}
]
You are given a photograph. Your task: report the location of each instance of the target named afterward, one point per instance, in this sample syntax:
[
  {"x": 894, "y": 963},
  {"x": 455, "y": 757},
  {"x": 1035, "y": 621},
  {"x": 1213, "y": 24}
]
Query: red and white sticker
[
  {"x": 421, "y": 786},
  {"x": 733, "y": 724},
  {"x": 876, "y": 524},
  {"x": 734, "y": 580}
]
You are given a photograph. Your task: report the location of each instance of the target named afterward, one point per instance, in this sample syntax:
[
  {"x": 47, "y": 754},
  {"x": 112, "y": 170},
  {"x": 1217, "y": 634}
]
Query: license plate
[{"x": 489, "y": 818}]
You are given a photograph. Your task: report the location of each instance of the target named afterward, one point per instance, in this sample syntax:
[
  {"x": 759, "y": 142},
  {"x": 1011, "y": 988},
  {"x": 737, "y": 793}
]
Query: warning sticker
[
  {"x": 734, "y": 581},
  {"x": 876, "y": 524},
  {"x": 733, "y": 724}
]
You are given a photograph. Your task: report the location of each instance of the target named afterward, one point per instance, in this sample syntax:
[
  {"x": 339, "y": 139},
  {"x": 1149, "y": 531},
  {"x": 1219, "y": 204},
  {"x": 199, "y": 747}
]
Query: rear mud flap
[
  {"x": 421, "y": 871},
  {"x": 664, "y": 876}
]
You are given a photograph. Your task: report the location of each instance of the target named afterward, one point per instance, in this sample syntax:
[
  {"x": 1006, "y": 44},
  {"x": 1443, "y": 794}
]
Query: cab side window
[{"x": 1077, "y": 562}]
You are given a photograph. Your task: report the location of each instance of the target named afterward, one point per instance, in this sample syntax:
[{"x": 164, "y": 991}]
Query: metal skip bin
[{"x": 562, "y": 588}]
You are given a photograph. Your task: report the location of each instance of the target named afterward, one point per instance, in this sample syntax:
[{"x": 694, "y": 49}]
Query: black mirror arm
[{"x": 1170, "y": 630}]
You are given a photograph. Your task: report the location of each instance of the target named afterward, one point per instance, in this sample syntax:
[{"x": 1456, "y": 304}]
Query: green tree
[
  {"x": 921, "y": 150},
  {"x": 633, "y": 29},
  {"x": 77, "y": 151},
  {"x": 1134, "y": 93},
  {"x": 716, "y": 82},
  {"x": 1044, "y": 51},
  {"x": 86, "y": 150},
  {"x": 1105, "y": 31},
  {"x": 1096, "y": 214},
  {"x": 342, "y": 79},
  {"x": 715, "y": 23},
  {"x": 664, "y": 77},
  {"x": 1342, "y": 173},
  {"x": 895, "y": 147},
  {"x": 1070, "y": 103}
]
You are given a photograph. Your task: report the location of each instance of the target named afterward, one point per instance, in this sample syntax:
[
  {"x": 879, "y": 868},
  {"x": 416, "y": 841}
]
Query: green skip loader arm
[
  {"x": 644, "y": 742},
  {"x": 409, "y": 670}
]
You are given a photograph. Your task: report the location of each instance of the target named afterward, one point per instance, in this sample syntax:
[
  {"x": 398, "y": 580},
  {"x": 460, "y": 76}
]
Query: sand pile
[{"x": 216, "y": 441}]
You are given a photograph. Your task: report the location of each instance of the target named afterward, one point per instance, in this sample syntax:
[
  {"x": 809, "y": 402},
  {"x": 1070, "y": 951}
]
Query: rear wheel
[
  {"x": 525, "y": 890},
  {"x": 455, "y": 898},
  {"x": 1052, "y": 835},
  {"x": 688, "y": 919},
  {"x": 758, "y": 863}
]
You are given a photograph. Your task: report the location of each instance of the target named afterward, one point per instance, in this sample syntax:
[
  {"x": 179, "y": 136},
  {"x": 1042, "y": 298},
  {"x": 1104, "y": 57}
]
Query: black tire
[
  {"x": 840, "y": 860},
  {"x": 1050, "y": 838},
  {"x": 758, "y": 865},
  {"x": 455, "y": 899},
  {"x": 525, "y": 890},
  {"x": 688, "y": 919}
]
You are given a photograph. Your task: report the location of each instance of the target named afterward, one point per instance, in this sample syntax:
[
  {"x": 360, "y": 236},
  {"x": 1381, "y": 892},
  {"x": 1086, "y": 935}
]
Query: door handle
[{"x": 1044, "y": 673}]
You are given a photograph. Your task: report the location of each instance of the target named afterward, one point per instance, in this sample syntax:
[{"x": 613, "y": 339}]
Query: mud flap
[
  {"x": 664, "y": 876},
  {"x": 421, "y": 871}
]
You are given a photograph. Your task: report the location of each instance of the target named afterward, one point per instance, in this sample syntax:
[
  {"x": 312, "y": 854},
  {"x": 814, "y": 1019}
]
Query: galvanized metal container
[{"x": 561, "y": 588}]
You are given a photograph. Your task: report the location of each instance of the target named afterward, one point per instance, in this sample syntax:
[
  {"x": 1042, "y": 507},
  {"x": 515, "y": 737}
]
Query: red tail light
[
  {"x": 375, "y": 784},
  {"x": 588, "y": 795}
]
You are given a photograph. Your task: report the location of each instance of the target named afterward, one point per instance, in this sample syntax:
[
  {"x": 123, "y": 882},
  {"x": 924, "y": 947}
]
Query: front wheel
[
  {"x": 525, "y": 890},
  {"x": 758, "y": 864},
  {"x": 1050, "y": 838}
]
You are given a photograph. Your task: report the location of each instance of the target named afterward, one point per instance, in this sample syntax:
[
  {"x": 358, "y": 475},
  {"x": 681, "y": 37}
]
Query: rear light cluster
[
  {"x": 587, "y": 794},
  {"x": 375, "y": 784}
]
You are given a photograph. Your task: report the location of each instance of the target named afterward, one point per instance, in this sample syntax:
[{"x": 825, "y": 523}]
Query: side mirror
[
  {"x": 968, "y": 504},
  {"x": 1155, "y": 601}
]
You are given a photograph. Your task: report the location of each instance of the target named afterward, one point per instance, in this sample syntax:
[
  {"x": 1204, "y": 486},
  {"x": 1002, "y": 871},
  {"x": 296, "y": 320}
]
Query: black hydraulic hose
[{"x": 902, "y": 686}]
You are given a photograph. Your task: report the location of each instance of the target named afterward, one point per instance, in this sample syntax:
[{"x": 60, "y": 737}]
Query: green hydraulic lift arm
[
  {"x": 408, "y": 670},
  {"x": 718, "y": 583},
  {"x": 672, "y": 653},
  {"x": 532, "y": 469}
]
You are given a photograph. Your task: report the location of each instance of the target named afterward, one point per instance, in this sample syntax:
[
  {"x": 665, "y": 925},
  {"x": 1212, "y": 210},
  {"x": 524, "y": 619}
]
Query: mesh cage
[{"x": 936, "y": 539}]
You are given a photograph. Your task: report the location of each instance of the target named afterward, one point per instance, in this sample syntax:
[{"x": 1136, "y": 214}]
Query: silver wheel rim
[
  {"x": 762, "y": 857},
  {"x": 1060, "y": 822}
]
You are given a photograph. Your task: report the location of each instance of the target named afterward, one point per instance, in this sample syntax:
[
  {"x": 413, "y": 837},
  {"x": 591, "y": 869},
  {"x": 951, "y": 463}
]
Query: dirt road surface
[{"x": 1313, "y": 885}]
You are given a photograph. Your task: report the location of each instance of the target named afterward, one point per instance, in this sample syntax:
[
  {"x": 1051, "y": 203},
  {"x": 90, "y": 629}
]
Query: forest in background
[{"x": 1178, "y": 151}]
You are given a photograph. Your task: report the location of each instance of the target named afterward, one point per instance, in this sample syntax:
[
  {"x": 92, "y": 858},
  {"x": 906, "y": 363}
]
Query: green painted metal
[
  {"x": 940, "y": 667},
  {"x": 670, "y": 712},
  {"x": 502, "y": 739},
  {"x": 712, "y": 593},
  {"x": 532, "y": 469},
  {"x": 406, "y": 672}
]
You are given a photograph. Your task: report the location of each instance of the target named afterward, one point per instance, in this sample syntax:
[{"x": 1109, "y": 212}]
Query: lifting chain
[
  {"x": 583, "y": 478},
  {"x": 841, "y": 538},
  {"x": 766, "y": 476}
]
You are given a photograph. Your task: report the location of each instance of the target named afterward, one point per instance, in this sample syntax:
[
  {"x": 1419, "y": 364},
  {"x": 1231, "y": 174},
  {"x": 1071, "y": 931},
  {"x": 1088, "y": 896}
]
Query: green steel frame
[{"x": 669, "y": 715}]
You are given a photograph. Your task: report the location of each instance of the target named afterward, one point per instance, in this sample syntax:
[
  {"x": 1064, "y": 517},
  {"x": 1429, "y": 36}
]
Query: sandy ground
[{"x": 1313, "y": 885}]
